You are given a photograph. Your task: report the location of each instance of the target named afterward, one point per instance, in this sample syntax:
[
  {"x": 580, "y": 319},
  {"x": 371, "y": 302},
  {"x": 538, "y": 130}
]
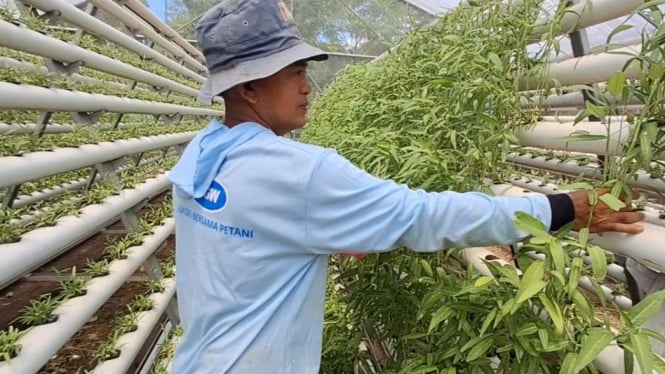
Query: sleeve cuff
[{"x": 563, "y": 210}]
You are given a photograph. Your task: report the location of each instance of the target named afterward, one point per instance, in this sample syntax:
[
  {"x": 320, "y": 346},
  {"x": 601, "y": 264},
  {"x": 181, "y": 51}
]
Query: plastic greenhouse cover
[{"x": 597, "y": 35}]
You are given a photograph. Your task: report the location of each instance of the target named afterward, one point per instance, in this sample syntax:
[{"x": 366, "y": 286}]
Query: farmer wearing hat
[{"x": 257, "y": 215}]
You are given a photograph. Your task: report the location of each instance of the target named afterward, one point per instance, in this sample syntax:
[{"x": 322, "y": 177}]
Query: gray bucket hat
[{"x": 245, "y": 40}]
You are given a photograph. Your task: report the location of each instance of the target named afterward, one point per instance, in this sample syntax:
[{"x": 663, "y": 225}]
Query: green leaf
[
  {"x": 646, "y": 308},
  {"x": 642, "y": 351},
  {"x": 617, "y": 81},
  {"x": 568, "y": 365},
  {"x": 645, "y": 147},
  {"x": 488, "y": 320},
  {"x": 658, "y": 364},
  {"x": 426, "y": 267},
  {"x": 574, "y": 274},
  {"x": 415, "y": 335},
  {"x": 530, "y": 290},
  {"x": 584, "y": 236},
  {"x": 596, "y": 110},
  {"x": 527, "y": 329},
  {"x": 557, "y": 254},
  {"x": 598, "y": 261},
  {"x": 582, "y": 304},
  {"x": 482, "y": 281},
  {"x": 581, "y": 136},
  {"x": 479, "y": 349},
  {"x": 529, "y": 224},
  {"x": 439, "y": 316},
  {"x": 554, "y": 311},
  {"x": 531, "y": 282},
  {"x": 628, "y": 361},
  {"x": 595, "y": 340},
  {"x": 611, "y": 201},
  {"x": 544, "y": 338},
  {"x": 615, "y": 31},
  {"x": 648, "y": 5},
  {"x": 495, "y": 60}
]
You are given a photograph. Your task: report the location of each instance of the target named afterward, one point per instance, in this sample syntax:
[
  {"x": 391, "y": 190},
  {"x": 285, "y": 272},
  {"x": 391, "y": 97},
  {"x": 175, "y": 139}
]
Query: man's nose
[{"x": 306, "y": 88}]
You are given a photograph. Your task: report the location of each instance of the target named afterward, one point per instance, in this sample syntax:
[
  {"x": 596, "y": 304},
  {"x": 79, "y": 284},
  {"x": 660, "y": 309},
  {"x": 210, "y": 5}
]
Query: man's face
[{"x": 282, "y": 99}]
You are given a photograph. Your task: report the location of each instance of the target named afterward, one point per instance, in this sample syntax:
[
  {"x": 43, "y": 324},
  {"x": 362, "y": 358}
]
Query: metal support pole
[
  {"x": 154, "y": 271},
  {"x": 10, "y": 196},
  {"x": 87, "y": 118},
  {"x": 90, "y": 9}
]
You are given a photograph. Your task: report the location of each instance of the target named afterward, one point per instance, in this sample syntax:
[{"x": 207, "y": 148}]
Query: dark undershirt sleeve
[{"x": 563, "y": 210}]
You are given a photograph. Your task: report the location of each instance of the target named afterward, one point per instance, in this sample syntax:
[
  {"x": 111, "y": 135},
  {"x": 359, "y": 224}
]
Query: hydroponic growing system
[{"x": 98, "y": 100}]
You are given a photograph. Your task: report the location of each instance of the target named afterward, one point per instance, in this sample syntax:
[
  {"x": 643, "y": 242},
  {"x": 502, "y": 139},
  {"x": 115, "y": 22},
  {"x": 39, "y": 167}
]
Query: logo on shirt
[{"x": 215, "y": 198}]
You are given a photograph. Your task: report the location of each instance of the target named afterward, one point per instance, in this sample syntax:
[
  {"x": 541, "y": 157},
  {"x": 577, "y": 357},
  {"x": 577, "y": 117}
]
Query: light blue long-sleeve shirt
[{"x": 256, "y": 217}]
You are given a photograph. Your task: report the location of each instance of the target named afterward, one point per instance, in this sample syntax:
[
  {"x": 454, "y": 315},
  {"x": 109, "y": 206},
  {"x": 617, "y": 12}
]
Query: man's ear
[{"x": 247, "y": 92}]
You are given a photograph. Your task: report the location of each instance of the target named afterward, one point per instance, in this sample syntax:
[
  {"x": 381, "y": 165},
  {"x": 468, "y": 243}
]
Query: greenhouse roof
[{"x": 355, "y": 31}]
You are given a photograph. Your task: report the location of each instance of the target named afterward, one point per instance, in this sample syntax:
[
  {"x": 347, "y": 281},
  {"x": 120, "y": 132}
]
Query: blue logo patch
[{"x": 215, "y": 198}]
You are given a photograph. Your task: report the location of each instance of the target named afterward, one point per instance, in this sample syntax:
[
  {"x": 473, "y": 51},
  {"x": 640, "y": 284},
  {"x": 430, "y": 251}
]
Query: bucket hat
[{"x": 245, "y": 40}]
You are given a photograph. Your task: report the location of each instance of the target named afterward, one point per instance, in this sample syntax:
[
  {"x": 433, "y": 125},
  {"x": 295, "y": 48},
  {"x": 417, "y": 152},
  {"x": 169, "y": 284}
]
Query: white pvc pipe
[
  {"x": 587, "y": 13},
  {"x": 564, "y": 119},
  {"x": 588, "y": 69},
  {"x": 25, "y": 200},
  {"x": 572, "y": 167},
  {"x": 36, "y": 196},
  {"x": 27, "y": 97},
  {"x": 41, "y": 245},
  {"x": 644, "y": 248},
  {"x": 569, "y": 100},
  {"x": 22, "y": 65},
  {"x": 129, "y": 19},
  {"x": 130, "y": 344},
  {"x": 94, "y": 26},
  {"x": 141, "y": 10},
  {"x": 19, "y": 169},
  {"x": 31, "y": 128},
  {"x": 40, "y": 342},
  {"x": 29, "y": 41},
  {"x": 549, "y": 135}
]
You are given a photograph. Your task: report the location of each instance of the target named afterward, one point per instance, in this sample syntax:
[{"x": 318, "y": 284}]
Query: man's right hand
[{"x": 601, "y": 218}]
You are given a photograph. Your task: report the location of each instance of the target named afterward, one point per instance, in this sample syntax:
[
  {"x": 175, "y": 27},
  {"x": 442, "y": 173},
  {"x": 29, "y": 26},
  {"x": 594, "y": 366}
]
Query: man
[{"x": 257, "y": 215}]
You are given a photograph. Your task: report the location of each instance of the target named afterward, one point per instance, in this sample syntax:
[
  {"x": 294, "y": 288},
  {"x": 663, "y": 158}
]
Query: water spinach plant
[{"x": 440, "y": 112}]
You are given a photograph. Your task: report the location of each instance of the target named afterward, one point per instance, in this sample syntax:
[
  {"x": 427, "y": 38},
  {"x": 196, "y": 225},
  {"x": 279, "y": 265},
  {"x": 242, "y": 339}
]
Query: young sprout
[
  {"x": 9, "y": 347},
  {"x": 142, "y": 303},
  {"x": 109, "y": 349},
  {"x": 127, "y": 323},
  {"x": 73, "y": 286},
  {"x": 39, "y": 311},
  {"x": 98, "y": 268},
  {"x": 155, "y": 286}
]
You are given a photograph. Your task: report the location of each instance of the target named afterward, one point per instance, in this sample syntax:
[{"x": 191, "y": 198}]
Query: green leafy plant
[
  {"x": 155, "y": 286},
  {"x": 166, "y": 352},
  {"x": 168, "y": 267},
  {"x": 9, "y": 347},
  {"x": 39, "y": 311},
  {"x": 439, "y": 112},
  {"x": 109, "y": 349},
  {"x": 74, "y": 286},
  {"x": 98, "y": 268},
  {"x": 142, "y": 303},
  {"x": 127, "y": 323}
]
